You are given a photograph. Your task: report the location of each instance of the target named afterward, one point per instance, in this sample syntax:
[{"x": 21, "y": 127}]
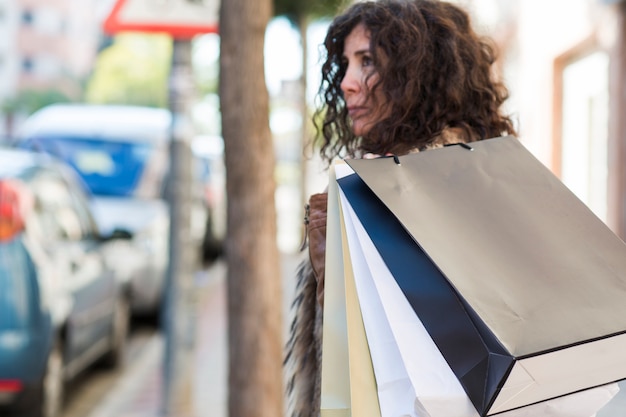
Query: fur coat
[{"x": 303, "y": 358}]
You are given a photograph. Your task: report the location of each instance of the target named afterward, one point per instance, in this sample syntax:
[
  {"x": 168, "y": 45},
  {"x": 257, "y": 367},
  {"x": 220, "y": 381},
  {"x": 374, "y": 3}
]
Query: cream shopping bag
[
  {"x": 348, "y": 385},
  {"x": 363, "y": 389}
]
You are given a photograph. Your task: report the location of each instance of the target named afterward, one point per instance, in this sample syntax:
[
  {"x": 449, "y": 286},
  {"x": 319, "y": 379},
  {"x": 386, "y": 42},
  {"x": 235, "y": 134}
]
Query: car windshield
[{"x": 109, "y": 167}]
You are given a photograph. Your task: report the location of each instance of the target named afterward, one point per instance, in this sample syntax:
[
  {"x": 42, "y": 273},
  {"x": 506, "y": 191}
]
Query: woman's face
[{"x": 358, "y": 81}]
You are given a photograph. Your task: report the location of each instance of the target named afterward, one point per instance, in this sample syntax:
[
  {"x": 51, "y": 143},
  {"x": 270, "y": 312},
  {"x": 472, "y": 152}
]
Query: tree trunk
[{"x": 254, "y": 283}]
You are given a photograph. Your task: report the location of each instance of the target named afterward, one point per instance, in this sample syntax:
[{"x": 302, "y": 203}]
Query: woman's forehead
[{"x": 358, "y": 38}]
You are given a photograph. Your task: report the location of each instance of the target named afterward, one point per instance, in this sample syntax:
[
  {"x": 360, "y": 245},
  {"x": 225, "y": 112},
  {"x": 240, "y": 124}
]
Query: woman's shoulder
[{"x": 448, "y": 136}]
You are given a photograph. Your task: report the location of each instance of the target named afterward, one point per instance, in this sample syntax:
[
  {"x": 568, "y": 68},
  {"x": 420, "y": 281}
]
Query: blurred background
[
  {"x": 562, "y": 60},
  {"x": 101, "y": 102}
]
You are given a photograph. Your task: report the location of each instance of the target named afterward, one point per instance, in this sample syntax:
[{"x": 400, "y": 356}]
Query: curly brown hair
[{"x": 436, "y": 74}]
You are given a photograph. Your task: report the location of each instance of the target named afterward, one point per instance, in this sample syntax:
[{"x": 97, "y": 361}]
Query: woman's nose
[{"x": 351, "y": 81}]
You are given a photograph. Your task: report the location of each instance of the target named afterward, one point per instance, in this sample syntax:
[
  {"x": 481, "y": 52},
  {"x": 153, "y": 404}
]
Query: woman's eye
[{"x": 367, "y": 61}]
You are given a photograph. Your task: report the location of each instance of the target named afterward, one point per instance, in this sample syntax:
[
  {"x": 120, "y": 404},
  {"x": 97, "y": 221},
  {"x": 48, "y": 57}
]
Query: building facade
[
  {"x": 47, "y": 46},
  {"x": 565, "y": 65}
]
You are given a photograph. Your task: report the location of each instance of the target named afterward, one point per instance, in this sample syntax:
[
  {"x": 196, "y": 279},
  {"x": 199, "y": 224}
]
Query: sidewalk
[{"x": 139, "y": 392}]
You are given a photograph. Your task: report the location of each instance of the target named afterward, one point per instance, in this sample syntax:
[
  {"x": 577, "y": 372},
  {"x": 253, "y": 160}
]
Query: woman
[{"x": 399, "y": 76}]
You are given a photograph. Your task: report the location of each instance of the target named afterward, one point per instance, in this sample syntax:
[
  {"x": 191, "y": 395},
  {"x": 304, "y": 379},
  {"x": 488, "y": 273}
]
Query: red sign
[{"x": 182, "y": 19}]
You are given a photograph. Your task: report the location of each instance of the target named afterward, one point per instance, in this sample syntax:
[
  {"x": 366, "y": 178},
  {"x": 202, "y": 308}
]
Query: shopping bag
[
  {"x": 335, "y": 383},
  {"x": 436, "y": 392},
  {"x": 348, "y": 387},
  {"x": 363, "y": 395},
  {"x": 413, "y": 378},
  {"x": 392, "y": 387},
  {"x": 518, "y": 284}
]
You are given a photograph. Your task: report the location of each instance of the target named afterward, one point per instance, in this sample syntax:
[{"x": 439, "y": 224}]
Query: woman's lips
[{"x": 355, "y": 111}]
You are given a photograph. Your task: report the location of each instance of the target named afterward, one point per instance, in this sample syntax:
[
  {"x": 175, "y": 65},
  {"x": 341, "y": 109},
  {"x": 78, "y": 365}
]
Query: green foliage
[
  {"x": 297, "y": 10},
  {"x": 133, "y": 70},
  {"x": 29, "y": 101}
]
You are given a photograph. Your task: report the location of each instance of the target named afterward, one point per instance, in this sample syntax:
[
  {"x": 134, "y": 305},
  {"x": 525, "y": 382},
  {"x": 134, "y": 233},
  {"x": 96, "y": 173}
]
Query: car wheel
[
  {"x": 121, "y": 323},
  {"x": 52, "y": 386}
]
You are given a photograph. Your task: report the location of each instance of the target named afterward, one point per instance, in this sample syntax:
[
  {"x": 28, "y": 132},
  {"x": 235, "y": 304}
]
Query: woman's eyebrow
[{"x": 358, "y": 52}]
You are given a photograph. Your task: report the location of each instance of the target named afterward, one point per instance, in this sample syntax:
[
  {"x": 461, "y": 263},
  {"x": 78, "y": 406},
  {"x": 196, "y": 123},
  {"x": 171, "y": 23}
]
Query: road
[
  {"x": 90, "y": 388},
  {"x": 90, "y": 395}
]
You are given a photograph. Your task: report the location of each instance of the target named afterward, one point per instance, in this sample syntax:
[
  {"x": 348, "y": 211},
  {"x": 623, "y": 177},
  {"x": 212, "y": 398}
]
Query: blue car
[
  {"x": 63, "y": 302},
  {"x": 121, "y": 153}
]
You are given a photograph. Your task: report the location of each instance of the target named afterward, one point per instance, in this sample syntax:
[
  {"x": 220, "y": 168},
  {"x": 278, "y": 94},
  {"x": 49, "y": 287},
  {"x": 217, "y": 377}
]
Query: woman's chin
[{"x": 359, "y": 129}]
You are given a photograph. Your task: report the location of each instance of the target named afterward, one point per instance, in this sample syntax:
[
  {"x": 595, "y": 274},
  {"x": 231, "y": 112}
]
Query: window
[
  {"x": 584, "y": 130},
  {"x": 61, "y": 212},
  {"x": 27, "y": 65},
  {"x": 109, "y": 167},
  {"x": 27, "y": 17},
  {"x": 80, "y": 202},
  {"x": 581, "y": 124}
]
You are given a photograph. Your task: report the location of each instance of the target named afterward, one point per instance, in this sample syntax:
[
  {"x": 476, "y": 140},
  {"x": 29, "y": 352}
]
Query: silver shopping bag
[{"x": 519, "y": 285}]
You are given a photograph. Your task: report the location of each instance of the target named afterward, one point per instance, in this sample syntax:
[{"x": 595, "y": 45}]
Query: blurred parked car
[
  {"x": 63, "y": 305},
  {"x": 121, "y": 152}
]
